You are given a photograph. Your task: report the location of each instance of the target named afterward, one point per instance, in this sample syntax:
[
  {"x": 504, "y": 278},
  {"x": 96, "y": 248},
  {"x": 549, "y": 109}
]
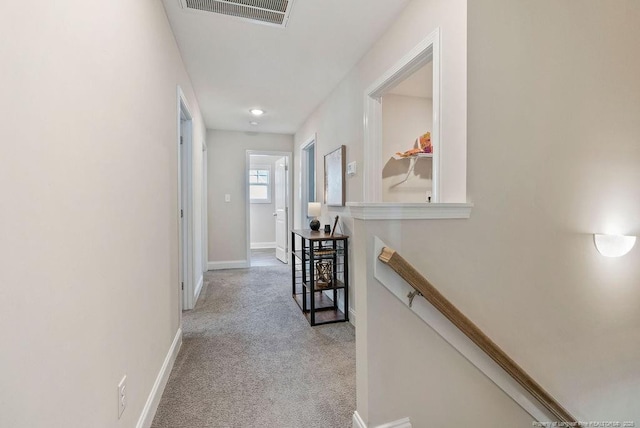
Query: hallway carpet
[{"x": 250, "y": 359}]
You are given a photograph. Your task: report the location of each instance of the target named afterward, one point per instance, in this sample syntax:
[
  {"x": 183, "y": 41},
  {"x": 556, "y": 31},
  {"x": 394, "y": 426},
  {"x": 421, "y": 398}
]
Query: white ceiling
[
  {"x": 236, "y": 65},
  {"x": 419, "y": 84}
]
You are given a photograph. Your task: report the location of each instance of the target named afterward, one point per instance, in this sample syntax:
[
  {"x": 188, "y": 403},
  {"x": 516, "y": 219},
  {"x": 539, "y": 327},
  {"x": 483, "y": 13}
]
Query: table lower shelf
[{"x": 325, "y": 310}]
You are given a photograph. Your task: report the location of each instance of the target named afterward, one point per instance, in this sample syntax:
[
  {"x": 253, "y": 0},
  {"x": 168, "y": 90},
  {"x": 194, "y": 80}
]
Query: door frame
[
  {"x": 185, "y": 202},
  {"x": 289, "y": 197},
  {"x": 205, "y": 209}
]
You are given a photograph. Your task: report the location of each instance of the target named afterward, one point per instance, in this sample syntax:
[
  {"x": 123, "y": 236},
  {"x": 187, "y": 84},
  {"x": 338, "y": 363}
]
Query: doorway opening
[
  {"x": 185, "y": 202},
  {"x": 268, "y": 200}
]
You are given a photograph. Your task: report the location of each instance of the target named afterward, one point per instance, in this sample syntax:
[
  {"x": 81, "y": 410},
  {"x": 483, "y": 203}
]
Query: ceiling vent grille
[{"x": 271, "y": 12}]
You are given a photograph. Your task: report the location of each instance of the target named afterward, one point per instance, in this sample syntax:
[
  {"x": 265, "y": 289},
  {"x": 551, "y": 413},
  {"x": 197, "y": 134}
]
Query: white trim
[
  {"x": 427, "y": 50},
  {"x": 262, "y": 245},
  {"x": 412, "y": 211},
  {"x": 205, "y": 204},
  {"x": 198, "y": 289},
  {"x": 231, "y": 264},
  {"x": 352, "y": 316},
  {"x": 357, "y": 421},
  {"x": 186, "y": 248},
  {"x": 151, "y": 406},
  {"x": 400, "y": 423},
  {"x": 456, "y": 338}
]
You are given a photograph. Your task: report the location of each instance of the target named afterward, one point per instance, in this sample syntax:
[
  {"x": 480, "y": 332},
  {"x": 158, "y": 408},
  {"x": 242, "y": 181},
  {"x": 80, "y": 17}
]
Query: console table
[{"x": 320, "y": 275}]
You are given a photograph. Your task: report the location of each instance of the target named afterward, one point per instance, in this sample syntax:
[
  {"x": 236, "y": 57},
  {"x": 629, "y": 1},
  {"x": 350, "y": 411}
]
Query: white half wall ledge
[
  {"x": 400, "y": 423},
  {"x": 409, "y": 211},
  {"x": 231, "y": 264}
]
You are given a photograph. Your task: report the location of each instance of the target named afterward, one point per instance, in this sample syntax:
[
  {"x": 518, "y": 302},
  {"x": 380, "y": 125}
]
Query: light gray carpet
[
  {"x": 265, "y": 257},
  {"x": 250, "y": 359}
]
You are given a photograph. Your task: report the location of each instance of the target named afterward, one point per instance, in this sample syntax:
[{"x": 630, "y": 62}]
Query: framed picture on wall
[{"x": 334, "y": 184}]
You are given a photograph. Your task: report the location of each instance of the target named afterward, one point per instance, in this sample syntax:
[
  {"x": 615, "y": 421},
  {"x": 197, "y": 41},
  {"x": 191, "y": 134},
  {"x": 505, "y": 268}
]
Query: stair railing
[{"x": 424, "y": 288}]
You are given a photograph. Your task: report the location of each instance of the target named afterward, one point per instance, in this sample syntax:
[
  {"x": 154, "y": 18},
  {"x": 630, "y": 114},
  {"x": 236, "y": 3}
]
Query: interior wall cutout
[
  {"x": 407, "y": 124},
  {"x": 411, "y": 92}
]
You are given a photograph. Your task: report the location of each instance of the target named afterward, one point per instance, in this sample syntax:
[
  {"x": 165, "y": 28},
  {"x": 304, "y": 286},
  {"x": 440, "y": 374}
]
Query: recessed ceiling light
[
  {"x": 256, "y": 111},
  {"x": 254, "y": 123}
]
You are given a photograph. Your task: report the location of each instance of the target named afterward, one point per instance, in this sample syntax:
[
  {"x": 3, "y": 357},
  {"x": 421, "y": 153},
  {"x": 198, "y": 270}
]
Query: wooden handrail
[{"x": 389, "y": 257}]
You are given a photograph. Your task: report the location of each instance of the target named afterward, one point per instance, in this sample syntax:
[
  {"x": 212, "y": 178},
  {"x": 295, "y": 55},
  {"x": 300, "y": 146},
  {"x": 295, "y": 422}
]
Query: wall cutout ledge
[{"x": 409, "y": 211}]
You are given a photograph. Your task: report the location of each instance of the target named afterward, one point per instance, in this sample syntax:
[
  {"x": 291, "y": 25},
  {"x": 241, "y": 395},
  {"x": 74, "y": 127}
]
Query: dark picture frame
[{"x": 334, "y": 177}]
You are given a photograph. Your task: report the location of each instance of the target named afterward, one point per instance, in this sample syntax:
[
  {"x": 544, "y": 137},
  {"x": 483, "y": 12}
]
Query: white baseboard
[
  {"x": 400, "y": 423},
  {"x": 231, "y": 264},
  {"x": 198, "y": 289},
  {"x": 262, "y": 245},
  {"x": 150, "y": 407},
  {"x": 357, "y": 421}
]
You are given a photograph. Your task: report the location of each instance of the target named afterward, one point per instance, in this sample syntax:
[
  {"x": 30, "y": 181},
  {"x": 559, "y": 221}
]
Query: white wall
[
  {"x": 89, "y": 237},
  {"x": 339, "y": 119},
  {"x": 226, "y": 152},
  {"x": 410, "y": 370},
  {"x": 553, "y": 158},
  {"x": 263, "y": 223},
  {"x": 404, "y": 119}
]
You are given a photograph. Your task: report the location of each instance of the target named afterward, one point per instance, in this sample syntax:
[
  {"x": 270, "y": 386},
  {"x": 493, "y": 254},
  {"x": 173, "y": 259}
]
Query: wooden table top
[{"x": 319, "y": 235}]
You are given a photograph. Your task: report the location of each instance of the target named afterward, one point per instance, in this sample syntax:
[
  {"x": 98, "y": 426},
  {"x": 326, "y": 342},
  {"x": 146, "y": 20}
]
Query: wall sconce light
[
  {"x": 314, "y": 210},
  {"x": 614, "y": 245}
]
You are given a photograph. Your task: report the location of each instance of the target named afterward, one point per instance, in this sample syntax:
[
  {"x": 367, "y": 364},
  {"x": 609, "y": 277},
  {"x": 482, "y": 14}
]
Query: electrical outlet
[
  {"x": 227, "y": 198},
  {"x": 351, "y": 168},
  {"x": 122, "y": 396}
]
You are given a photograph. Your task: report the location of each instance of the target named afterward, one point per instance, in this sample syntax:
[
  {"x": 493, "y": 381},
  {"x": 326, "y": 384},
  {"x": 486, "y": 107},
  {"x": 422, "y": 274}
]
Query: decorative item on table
[
  {"x": 324, "y": 273},
  {"x": 314, "y": 211},
  {"x": 327, "y": 228},
  {"x": 335, "y": 223},
  {"x": 423, "y": 145}
]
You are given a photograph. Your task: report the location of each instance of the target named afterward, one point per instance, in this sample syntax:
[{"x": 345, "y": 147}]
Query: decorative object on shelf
[
  {"x": 335, "y": 223},
  {"x": 424, "y": 149},
  {"x": 325, "y": 273},
  {"x": 423, "y": 145},
  {"x": 334, "y": 182},
  {"x": 314, "y": 211},
  {"x": 327, "y": 228},
  {"x": 614, "y": 245}
]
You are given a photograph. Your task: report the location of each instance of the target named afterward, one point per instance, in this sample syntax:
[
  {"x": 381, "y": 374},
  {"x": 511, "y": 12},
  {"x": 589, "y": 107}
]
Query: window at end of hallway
[{"x": 260, "y": 185}]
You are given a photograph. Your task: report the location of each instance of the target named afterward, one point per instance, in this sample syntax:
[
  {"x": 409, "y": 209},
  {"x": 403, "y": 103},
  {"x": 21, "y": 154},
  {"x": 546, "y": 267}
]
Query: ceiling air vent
[{"x": 271, "y": 12}]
